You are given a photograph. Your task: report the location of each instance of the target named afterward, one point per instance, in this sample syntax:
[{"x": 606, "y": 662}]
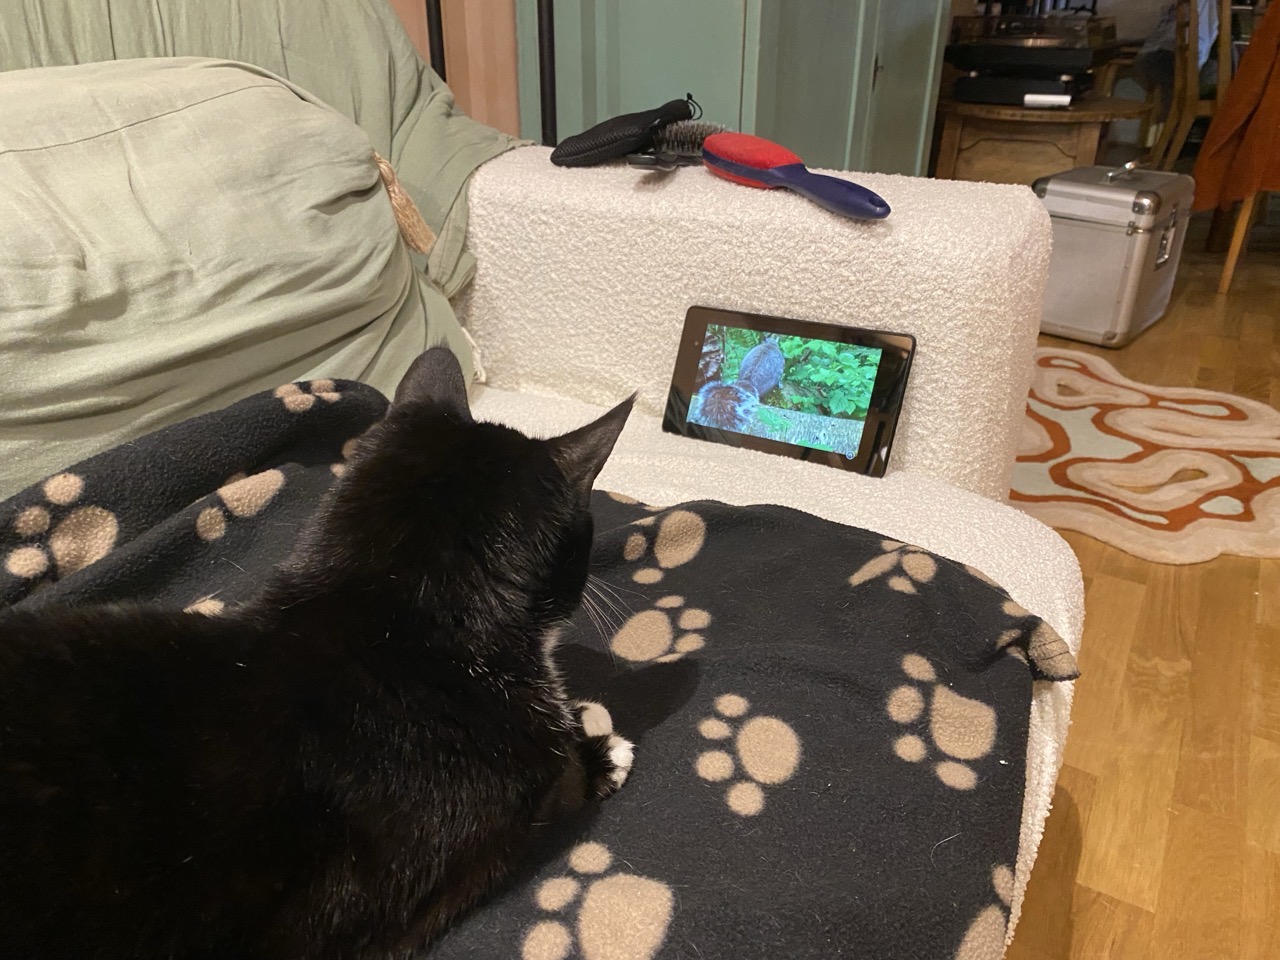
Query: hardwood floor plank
[
  {"x": 1019, "y": 951},
  {"x": 1268, "y": 606},
  {"x": 1113, "y": 606},
  {"x": 1200, "y": 909},
  {"x": 1108, "y": 928},
  {"x": 1045, "y": 927},
  {"x": 1117, "y": 563},
  {"x": 1217, "y": 370},
  {"x": 1257, "y": 329},
  {"x": 1214, "y": 754},
  {"x": 1125, "y": 846},
  {"x": 1262, "y": 823},
  {"x": 1097, "y": 927},
  {"x": 1260, "y": 929},
  {"x": 1170, "y": 615},
  {"x": 1253, "y": 379},
  {"x": 1264, "y": 682}
]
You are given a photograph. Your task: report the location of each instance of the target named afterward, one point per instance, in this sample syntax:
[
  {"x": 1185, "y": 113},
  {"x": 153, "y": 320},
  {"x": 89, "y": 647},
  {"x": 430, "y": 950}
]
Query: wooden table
[{"x": 1004, "y": 144}]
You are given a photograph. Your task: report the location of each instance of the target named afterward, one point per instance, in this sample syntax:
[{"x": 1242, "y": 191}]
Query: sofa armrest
[{"x": 584, "y": 276}]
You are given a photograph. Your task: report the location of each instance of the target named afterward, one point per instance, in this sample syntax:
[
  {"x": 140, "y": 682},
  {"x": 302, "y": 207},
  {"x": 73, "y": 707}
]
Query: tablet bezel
[{"x": 887, "y": 395}]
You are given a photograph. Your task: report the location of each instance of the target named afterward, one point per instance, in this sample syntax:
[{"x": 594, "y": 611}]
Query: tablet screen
[
  {"x": 809, "y": 390},
  {"x": 823, "y": 402}
]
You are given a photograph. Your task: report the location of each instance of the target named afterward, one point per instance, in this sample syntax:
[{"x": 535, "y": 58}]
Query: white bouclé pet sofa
[{"x": 583, "y": 280}]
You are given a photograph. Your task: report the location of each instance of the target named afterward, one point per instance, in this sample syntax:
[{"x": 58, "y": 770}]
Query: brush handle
[{"x": 831, "y": 193}]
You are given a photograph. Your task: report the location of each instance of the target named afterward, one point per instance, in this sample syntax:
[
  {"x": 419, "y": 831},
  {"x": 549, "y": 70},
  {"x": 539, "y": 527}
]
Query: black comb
[
  {"x": 677, "y": 145},
  {"x": 615, "y": 138}
]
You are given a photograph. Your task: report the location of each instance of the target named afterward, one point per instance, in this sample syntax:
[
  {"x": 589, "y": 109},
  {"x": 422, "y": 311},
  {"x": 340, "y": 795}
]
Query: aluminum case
[{"x": 1117, "y": 240}]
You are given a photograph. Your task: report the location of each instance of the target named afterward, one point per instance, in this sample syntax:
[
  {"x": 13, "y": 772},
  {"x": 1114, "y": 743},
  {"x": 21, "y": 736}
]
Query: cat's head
[{"x": 455, "y": 511}]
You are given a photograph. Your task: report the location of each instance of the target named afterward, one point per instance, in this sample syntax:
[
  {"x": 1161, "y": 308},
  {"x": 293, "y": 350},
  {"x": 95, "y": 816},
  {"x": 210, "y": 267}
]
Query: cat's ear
[
  {"x": 581, "y": 454},
  {"x": 435, "y": 377}
]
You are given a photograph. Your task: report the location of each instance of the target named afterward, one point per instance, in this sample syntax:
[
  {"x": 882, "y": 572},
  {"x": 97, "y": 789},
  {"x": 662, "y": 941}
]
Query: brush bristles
[{"x": 685, "y": 137}]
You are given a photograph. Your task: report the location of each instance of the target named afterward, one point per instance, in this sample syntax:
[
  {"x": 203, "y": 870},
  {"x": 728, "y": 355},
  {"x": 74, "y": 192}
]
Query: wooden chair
[
  {"x": 1121, "y": 65},
  {"x": 1187, "y": 105},
  {"x": 1249, "y": 213}
]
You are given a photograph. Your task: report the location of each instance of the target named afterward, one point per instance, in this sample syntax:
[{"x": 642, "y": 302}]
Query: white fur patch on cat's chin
[{"x": 551, "y": 640}]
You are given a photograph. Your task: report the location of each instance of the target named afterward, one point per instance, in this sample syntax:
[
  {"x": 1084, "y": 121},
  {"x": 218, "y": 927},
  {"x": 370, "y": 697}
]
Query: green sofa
[{"x": 193, "y": 214}]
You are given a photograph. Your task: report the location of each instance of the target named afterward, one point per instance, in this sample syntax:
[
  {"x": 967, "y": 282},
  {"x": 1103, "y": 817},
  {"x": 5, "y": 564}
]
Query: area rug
[{"x": 1168, "y": 474}]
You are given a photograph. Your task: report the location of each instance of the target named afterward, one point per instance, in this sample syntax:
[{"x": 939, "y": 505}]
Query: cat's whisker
[
  {"x": 605, "y": 637},
  {"x": 592, "y": 611},
  {"x": 615, "y": 589},
  {"x": 607, "y": 608},
  {"x": 621, "y": 610},
  {"x": 608, "y": 593},
  {"x": 604, "y": 628},
  {"x": 618, "y": 614}
]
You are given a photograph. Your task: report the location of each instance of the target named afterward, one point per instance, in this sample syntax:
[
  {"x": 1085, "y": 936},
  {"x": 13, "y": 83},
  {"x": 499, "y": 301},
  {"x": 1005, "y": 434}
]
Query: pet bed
[{"x": 832, "y": 727}]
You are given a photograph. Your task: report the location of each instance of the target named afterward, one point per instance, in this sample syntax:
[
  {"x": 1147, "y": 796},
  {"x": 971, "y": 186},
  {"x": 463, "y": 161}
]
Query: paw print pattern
[
  {"x": 1048, "y": 653},
  {"x": 240, "y": 497},
  {"x": 959, "y": 728},
  {"x": 1031, "y": 640},
  {"x": 348, "y": 449},
  {"x": 300, "y": 397},
  {"x": 679, "y": 537},
  {"x": 606, "y": 914},
  {"x": 984, "y": 940},
  {"x": 70, "y": 540},
  {"x": 662, "y": 634},
  {"x": 914, "y": 564},
  {"x": 767, "y": 750}
]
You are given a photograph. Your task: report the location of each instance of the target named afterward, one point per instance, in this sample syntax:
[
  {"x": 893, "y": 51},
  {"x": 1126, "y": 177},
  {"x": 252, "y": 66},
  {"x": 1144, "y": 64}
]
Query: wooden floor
[{"x": 1164, "y": 840}]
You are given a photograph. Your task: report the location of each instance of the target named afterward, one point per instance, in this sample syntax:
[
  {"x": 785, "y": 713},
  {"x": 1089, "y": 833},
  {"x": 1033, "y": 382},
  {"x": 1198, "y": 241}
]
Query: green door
[
  {"x": 846, "y": 84},
  {"x": 903, "y": 93},
  {"x": 808, "y": 75},
  {"x": 615, "y": 56}
]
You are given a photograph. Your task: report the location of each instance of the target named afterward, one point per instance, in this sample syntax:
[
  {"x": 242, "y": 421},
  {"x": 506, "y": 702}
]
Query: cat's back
[
  {"x": 114, "y": 721},
  {"x": 71, "y": 675}
]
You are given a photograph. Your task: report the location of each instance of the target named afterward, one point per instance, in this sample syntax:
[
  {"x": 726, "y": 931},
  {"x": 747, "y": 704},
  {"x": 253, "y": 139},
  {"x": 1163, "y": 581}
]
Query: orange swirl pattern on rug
[{"x": 1169, "y": 474}]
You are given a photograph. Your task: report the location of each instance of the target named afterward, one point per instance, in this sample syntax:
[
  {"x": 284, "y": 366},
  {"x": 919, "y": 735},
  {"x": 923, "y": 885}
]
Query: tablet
[{"x": 812, "y": 391}]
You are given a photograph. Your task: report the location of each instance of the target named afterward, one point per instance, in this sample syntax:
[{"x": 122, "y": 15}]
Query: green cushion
[
  {"x": 352, "y": 54},
  {"x": 178, "y": 234}
]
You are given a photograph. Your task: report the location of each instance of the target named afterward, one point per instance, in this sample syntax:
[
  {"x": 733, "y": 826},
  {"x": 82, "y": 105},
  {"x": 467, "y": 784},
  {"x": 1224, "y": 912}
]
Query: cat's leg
[{"x": 606, "y": 757}]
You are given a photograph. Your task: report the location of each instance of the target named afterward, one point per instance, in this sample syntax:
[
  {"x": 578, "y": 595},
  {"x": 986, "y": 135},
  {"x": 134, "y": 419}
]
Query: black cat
[{"x": 341, "y": 767}]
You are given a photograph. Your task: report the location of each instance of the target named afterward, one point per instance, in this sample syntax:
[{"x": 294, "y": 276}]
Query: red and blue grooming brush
[{"x": 757, "y": 162}]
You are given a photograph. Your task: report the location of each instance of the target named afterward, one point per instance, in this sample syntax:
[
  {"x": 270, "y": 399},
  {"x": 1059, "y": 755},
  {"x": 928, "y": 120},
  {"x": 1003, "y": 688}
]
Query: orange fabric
[{"x": 1241, "y": 153}]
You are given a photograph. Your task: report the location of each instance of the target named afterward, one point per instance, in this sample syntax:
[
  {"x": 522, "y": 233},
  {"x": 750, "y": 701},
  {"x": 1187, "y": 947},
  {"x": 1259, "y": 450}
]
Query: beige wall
[
  {"x": 479, "y": 55},
  {"x": 413, "y": 14}
]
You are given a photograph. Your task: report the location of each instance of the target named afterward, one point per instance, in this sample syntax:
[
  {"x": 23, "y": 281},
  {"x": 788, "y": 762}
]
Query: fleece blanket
[{"x": 831, "y": 727}]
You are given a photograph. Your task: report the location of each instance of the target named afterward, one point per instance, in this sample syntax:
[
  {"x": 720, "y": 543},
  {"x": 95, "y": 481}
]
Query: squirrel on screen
[{"x": 731, "y": 406}]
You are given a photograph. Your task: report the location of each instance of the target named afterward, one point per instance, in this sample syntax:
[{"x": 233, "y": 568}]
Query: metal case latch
[{"x": 1167, "y": 236}]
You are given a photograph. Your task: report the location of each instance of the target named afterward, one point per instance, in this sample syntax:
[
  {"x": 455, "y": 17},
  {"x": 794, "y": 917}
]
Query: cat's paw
[
  {"x": 595, "y": 718},
  {"x": 616, "y": 754},
  {"x": 622, "y": 754}
]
